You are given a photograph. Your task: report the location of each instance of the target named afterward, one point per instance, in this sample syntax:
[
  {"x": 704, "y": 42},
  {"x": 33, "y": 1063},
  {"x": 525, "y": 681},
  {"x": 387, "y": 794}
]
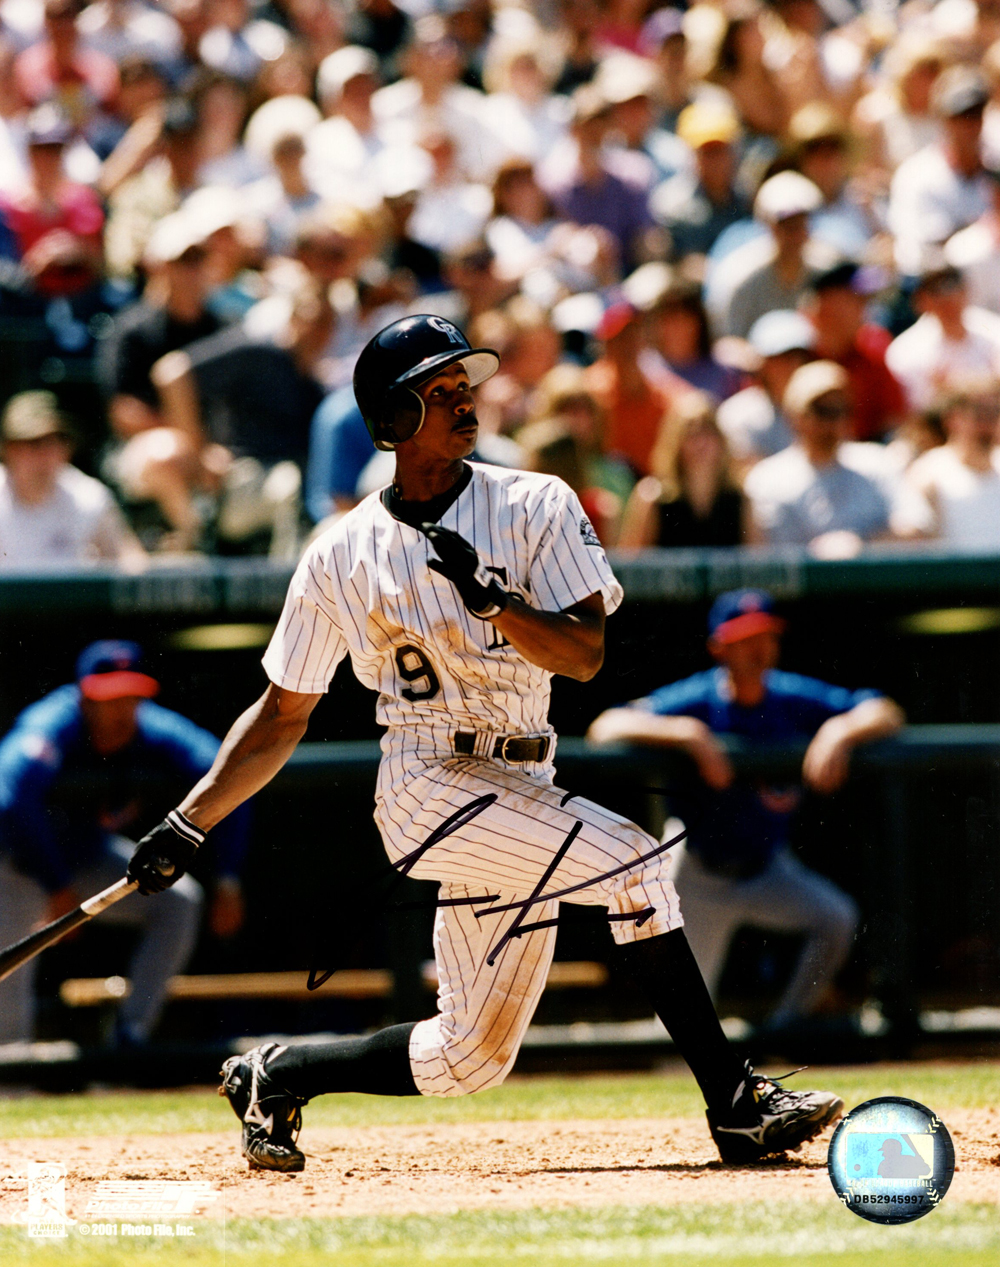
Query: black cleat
[
  {"x": 271, "y": 1117},
  {"x": 765, "y": 1118}
]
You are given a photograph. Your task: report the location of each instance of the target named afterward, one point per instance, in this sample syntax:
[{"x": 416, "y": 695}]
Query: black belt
[{"x": 506, "y": 748}]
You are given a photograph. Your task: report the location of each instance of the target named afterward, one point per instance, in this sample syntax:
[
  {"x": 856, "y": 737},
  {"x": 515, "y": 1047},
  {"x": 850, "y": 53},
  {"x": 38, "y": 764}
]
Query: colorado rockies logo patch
[{"x": 587, "y": 533}]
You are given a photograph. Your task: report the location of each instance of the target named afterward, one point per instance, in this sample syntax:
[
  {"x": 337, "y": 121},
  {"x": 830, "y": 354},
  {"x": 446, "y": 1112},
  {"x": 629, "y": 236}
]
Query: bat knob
[{"x": 164, "y": 866}]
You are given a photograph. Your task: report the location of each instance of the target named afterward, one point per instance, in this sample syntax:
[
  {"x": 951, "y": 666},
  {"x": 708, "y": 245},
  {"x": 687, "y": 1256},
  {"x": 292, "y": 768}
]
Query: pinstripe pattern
[{"x": 364, "y": 589}]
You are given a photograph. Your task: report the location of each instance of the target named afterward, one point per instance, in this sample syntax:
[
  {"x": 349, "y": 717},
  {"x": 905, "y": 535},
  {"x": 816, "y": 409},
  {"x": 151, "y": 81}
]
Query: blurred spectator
[
  {"x": 821, "y": 149},
  {"x": 695, "y": 207},
  {"x": 145, "y": 178},
  {"x": 776, "y": 270},
  {"x": 379, "y": 25},
  {"x": 60, "y": 847},
  {"x": 961, "y": 478},
  {"x": 520, "y": 106},
  {"x": 681, "y": 340},
  {"x": 125, "y": 29},
  {"x": 895, "y": 119},
  {"x": 430, "y": 99},
  {"x": 753, "y": 421},
  {"x": 740, "y": 68},
  {"x": 235, "y": 43},
  {"x": 663, "y": 39},
  {"x": 836, "y": 305},
  {"x": 592, "y": 189},
  {"x": 222, "y": 104},
  {"x": 54, "y": 224},
  {"x": 950, "y": 338},
  {"x": 522, "y": 333},
  {"x": 807, "y": 494},
  {"x": 690, "y": 498},
  {"x": 51, "y": 514},
  {"x": 277, "y": 133},
  {"x": 340, "y": 448},
  {"x": 975, "y": 250},
  {"x": 633, "y": 401},
  {"x": 60, "y": 68},
  {"x": 245, "y": 407},
  {"x": 736, "y": 866},
  {"x": 341, "y": 150},
  {"x": 451, "y": 211},
  {"x": 942, "y": 188},
  {"x": 578, "y": 21},
  {"x": 551, "y": 448}
]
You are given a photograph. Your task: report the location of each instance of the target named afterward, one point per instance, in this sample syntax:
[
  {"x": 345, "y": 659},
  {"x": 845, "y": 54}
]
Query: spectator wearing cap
[
  {"x": 836, "y": 305},
  {"x": 943, "y": 187},
  {"x": 62, "y": 69},
  {"x": 341, "y": 149},
  {"x": 961, "y": 478},
  {"x": 753, "y": 421},
  {"x": 695, "y": 207},
  {"x": 951, "y": 338},
  {"x": 51, "y": 514},
  {"x": 818, "y": 492},
  {"x": 58, "y": 847},
  {"x": 636, "y": 144},
  {"x": 663, "y": 39},
  {"x": 736, "y": 866},
  {"x": 975, "y": 250},
  {"x": 55, "y": 224},
  {"x": 520, "y": 106},
  {"x": 430, "y": 97},
  {"x": 634, "y": 400},
  {"x": 895, "y": 120},
  {"x": 588, "y": 192},
  {"x": 821, "y": 147},
  {"x": 278, "y": 132},
  {"x": 772, "y": 271}
]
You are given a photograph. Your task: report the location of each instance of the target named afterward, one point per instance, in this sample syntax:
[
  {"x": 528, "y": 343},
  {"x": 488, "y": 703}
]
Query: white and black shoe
[
  {"x": 765, "y": 1118},
  {"x": 271, "y": 1116}
]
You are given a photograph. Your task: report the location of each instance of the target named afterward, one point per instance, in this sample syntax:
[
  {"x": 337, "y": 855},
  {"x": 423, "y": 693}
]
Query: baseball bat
[{"x": 14, "y": 956}]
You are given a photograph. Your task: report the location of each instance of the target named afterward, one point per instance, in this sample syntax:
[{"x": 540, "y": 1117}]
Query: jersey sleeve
[
  {"x": 687, "y": 698},
  {"x": 308, "y": 642},
  {"x": 815, "y": 702},
  {"x": 568, "y": 562}
]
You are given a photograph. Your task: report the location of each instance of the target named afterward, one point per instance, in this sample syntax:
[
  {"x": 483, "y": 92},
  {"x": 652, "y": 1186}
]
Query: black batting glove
[
  {"x": 163, "y": 856},
  {"x": 458, "y": 561}
]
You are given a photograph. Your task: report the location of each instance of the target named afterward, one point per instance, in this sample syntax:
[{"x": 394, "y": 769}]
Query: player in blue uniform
[
  {"x": 736, "y": 867},
  {"x": 58, "y": 845}
]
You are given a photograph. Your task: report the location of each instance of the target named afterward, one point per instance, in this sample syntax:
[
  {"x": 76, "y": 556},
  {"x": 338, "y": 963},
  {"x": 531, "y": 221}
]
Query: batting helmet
[{"x": 400, "y": 358}]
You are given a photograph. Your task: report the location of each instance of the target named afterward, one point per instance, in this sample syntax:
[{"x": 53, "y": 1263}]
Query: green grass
[
  {"x": 941, "y": 1087},
  {"x": 809, "y": 1234}
]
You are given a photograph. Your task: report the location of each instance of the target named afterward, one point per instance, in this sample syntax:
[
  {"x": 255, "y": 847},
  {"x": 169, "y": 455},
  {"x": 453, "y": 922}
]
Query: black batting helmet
[{"x": 400, "y": 358}]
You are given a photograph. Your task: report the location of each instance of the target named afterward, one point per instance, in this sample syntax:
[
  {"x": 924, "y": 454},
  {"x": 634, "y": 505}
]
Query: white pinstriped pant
[{"x": 504, "y": 847}]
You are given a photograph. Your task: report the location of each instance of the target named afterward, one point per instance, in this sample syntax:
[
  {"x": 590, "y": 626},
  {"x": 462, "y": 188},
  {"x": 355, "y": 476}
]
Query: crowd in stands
[{"x": 741, "y": 261}]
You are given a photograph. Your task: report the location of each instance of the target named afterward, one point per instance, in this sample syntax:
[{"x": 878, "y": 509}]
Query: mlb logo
[{"x": 889, "y": 1155}]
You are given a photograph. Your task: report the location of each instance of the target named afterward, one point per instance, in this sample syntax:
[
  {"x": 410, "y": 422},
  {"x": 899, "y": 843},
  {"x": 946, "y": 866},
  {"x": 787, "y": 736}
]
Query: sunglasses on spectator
[{"x": 830, "y": 412}]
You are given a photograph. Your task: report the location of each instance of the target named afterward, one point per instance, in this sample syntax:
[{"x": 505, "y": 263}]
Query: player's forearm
[
  {"x": 632, "y": 725},
  {"x": 871, "y": 719},
  {"x": 569, "y": 642},
  {"x": 256, "y": 747}
]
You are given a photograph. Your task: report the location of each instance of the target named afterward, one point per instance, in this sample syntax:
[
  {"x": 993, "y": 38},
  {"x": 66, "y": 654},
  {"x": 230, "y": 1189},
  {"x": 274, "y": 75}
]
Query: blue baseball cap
[
  {"x": 741, "y": 614},
  {"x": 110, "y": 669}
]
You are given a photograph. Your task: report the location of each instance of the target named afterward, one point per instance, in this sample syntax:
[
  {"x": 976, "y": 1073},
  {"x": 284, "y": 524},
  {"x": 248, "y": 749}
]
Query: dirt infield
[{"x": 485, "y": 1165}]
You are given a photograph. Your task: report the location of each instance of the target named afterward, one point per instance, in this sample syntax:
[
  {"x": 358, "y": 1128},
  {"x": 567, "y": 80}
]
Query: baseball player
[
  {"x": 736, "y": 866},
  {"x": 104, "y": 727},
  {"x": 458, "y": 591}
]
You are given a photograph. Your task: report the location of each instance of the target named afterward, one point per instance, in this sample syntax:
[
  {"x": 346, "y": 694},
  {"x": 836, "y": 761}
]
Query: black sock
[
  {"x": 378, "y": 1064},
  {"x": 667, "y": 971}
]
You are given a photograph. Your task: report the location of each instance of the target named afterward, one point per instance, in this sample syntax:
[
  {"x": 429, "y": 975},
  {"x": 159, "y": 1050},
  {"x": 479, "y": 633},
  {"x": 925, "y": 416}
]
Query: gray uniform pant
[
  {"x": 787, "y": 897},
  {"x": 170, "y": 927}
]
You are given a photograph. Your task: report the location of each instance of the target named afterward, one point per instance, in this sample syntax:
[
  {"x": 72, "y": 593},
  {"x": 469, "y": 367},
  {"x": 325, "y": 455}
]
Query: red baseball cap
[{"x": 113, "y": 670}]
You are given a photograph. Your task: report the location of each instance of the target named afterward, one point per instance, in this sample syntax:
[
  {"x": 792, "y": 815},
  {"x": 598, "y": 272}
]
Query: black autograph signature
[{"x": 518, "y": 928}]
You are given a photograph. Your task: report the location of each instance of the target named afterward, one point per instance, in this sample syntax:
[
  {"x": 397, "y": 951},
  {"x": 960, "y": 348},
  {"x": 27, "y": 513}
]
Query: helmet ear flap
[{"x": 402, "y": 417}]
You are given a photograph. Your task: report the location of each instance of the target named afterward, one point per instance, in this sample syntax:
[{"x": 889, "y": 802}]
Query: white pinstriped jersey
[{"x": 364, "y": 588}]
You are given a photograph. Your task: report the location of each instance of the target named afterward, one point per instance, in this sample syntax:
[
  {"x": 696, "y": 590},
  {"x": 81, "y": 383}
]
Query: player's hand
[
  {"x": 709, "y": 755},
  {"x": 225, "y": 916},
  {"x": 163, "y": 856},
  {"x": 458, "y": 561},
  {"x": 828, "y": 759}
]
